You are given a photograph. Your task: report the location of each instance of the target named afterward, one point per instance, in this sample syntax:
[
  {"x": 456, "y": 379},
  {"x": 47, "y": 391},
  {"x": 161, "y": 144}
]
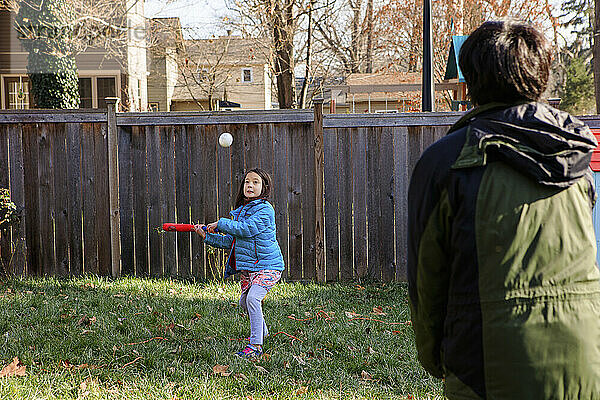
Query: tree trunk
[
  {"x": 284, "y": 53},
  {"x": 308, "y": 50},
  {"x": 369, "y": 55},
  {"x": 596, "y": 53}
]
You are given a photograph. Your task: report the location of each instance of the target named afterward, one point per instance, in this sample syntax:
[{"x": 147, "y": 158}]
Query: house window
[
  {"x": 247, "y": 75},
  {"x": 85, "y": 93},
  {"x": 94, "y": 90},
  {"x": 106, "y": 88},
  {"x": 16, "y": 93}
]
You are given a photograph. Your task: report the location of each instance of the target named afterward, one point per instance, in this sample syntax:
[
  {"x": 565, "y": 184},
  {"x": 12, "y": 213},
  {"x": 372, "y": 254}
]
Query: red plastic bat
[{"x": 171, "y": 227}]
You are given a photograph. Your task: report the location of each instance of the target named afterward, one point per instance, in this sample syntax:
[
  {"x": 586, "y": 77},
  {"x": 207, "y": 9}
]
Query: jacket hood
[{"x": 549, "y": 145}]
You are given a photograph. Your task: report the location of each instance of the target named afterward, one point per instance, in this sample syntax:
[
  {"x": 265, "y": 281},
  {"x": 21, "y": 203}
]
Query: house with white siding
[{"x": 102, "y": 74}]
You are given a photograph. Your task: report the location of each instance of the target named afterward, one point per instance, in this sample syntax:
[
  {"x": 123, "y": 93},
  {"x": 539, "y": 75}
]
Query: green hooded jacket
[{"x": 503, "y": 283}]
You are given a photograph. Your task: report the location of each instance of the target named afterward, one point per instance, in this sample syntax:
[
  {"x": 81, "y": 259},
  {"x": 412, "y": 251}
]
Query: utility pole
[
  {"x": 428, "y": 91},
  {"x": 596, "y": 53}
]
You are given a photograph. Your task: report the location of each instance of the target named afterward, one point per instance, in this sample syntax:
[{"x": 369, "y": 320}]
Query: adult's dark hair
[
  {"x": 505, "y": 61},
  {"x": 266, "y": 187}
]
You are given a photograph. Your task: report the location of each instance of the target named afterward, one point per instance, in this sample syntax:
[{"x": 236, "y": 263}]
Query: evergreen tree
[
  {"x": 45, "y": 29},
  {"x": 578, "y": 97}
]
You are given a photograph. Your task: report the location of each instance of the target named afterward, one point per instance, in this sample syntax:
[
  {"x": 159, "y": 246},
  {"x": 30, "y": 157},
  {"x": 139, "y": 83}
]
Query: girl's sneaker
[{"x": 250, "y": 352}]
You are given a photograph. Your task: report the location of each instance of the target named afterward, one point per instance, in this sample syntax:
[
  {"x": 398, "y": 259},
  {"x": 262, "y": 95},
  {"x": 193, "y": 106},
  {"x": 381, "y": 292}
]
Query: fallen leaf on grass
[
  {"x": 365, "y": 376},
  {"x": 286, "y": 364},
  {"x": 370, "y": 350},
  {"x": 86, "y": 321},
  {"x": 299, "y": 360},
  {"x": 261, "y": 369},
  {"x": 351, "y": 314},
  {"x": 378, "y": 311},
  {"x": 302, "y": 390},
  {"x": 221, "y": 370},
  {"x": 240, "y": 377},
  {"x": 15, "y": 368},
  {"x": 66, "y": 364}
]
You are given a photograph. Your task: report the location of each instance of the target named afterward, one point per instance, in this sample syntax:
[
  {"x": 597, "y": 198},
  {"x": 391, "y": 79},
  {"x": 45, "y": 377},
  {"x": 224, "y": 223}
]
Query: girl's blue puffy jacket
[{"x": 251, "y": 236}]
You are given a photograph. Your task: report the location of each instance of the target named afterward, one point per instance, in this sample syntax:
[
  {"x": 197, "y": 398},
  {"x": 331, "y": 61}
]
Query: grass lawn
[{"x": 91, "y": 338}]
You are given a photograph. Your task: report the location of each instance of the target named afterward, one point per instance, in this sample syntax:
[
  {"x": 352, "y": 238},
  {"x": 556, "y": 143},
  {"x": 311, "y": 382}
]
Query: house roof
[
  {"x": 452, "y": 68},
  {"x": 230, "y": 50}
]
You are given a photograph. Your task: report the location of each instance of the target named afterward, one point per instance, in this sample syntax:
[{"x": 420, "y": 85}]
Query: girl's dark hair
[
  {"x": 505, "y": 61},
  {"x": 266, "y": 187}
]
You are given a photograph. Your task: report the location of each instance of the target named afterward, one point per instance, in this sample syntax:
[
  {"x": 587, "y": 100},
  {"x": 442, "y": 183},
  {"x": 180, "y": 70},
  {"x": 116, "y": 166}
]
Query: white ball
[{"x": 225, "y": 139}]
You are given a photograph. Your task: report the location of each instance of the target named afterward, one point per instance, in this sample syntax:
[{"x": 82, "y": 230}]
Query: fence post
[
  {"x": 113, "y": 187},
  {"x": 319, "y": 183}
]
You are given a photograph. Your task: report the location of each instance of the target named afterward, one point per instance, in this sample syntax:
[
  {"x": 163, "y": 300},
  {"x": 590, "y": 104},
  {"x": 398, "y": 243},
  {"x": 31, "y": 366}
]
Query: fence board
[
  {"x": 46, "y": 194},
  {"x": 140, "y": 199},
  {"x": 415, "y": 147},
  {"x": 198, "y": 194},
  {"x": 281, "y": 144},
  {"x": 373, "y": 204},
  {"x": 31, "y": 184},
  {"x": 251, "y": 146},
  {"x": 182, "y": 200},
  {"x": 359, "y": 201},
  {"x": 5, "y": 236},
  {"x": 332, "y": 245},
  {"x": 102, "y": 200},
  {"x": 225, "y": 200},
  {"x": 17, "y": 193},
  {"x": 439, "y": 132},
  {"x": 400, "y": 199},
  {"x": 308, "y": 204},
  {"x": 295, "y": 202},
  {"x": 345, "y": 203},
  {"x": 61, "y": 206},
  {"x": 126, "y": 220},
  {"x": 386, "y": 213},
  {"x": 154, "y": 200},
  {"x": 167, "y": 146},
  {"x": 238, "y": 166},
  {"x": 90, "y": 255},
  {"x": 266, "y": 149},
  {"x": 209, "y": 142},
  {"x": 74, "y": 204}
]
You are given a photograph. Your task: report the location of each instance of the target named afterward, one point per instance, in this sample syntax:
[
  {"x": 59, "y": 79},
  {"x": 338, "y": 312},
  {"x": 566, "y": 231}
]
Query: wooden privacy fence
[{"x": 95, "y": 187}]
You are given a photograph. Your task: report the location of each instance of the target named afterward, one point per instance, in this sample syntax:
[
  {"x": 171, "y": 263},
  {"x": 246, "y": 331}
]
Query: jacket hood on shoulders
[{"x": 549, "y": 145}]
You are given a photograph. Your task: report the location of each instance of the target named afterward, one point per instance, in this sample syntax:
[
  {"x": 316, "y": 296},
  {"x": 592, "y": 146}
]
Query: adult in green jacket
[{"x": 503, "y": 283}]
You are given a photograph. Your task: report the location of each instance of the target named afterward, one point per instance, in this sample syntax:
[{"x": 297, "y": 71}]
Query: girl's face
[{"x": 252, "y": 185}]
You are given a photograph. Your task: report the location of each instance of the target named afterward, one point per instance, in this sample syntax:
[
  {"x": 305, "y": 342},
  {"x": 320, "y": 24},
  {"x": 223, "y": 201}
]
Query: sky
[
  {"x": 199, "y": 14},
  {"x": 202, "y": 15}
]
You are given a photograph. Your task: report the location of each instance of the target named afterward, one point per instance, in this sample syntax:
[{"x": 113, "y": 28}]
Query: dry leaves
[
  {"x": 15, "y": 368},
  {"x": 299, "y": 360},
  {"x": 221, "y": 370},
  {"x": 261, "y": 369},
  {"x": 302, "y": 390},
  {"x": 378, "y": 311},
  {"x": 365, "y": 376},
  {"x": 240, "y": 377},
  {"x": 86, "y": 321}
]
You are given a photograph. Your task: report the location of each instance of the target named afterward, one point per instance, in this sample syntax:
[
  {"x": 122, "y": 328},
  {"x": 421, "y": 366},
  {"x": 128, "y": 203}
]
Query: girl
[{"x": 254, "y": 251}]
